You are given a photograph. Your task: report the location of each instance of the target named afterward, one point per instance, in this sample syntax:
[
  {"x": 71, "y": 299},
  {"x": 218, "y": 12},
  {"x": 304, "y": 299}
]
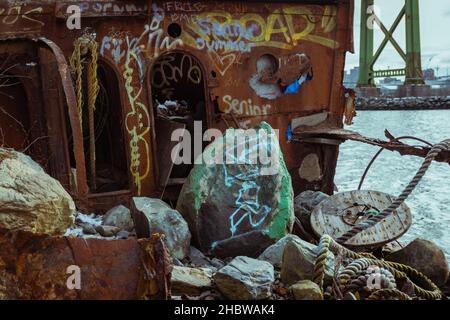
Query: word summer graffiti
[
  {"x": 220, "y": 31},
  {"x": 228, "y": 36}
]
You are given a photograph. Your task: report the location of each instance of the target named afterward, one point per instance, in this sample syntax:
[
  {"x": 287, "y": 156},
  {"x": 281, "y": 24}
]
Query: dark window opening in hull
[
  {"x": 111, "y": 161},
  {"x": 14, "y": 116},
  {"x": 179, "y": 99}
]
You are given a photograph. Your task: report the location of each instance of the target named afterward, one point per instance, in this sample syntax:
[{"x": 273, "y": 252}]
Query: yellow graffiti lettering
[
  {"x": 304, "y": 13},
  {"x": 274, "y": 19},
  {"x": 12, "y": 16},
  {"x": 255, "y": 20},
  {"x": 140, "y": 116},
  {"x": 24, "y": 16},
  {"x": 329, "y": 19},
  {"x": 14, "y": 13}
]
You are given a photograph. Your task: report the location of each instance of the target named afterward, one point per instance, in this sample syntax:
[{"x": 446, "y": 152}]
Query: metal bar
[
  {"x": 388, "y": 73},
  {"x": 387, "y": 38},
  {"x": 414, "y": 73},
  {"x": 366, "y": 45},
  {"x": 391, "y": 39}
]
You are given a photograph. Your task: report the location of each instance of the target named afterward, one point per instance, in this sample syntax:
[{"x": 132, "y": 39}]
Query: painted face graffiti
[{"x": 268, "y": 82}]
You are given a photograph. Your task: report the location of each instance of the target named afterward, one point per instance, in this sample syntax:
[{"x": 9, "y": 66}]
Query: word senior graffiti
[{"x": 244, "y": 107}]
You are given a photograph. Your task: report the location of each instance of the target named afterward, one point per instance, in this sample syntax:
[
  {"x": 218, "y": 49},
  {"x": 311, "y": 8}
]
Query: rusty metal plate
[
  {"x": 341, "y": 212},
  {"x": 34, "y": 266}
]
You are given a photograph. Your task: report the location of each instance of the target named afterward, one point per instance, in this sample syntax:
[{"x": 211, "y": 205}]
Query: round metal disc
[{"x": 341, "y": 212}]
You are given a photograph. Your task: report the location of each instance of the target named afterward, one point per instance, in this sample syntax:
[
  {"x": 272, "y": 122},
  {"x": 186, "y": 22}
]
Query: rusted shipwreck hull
[
  {"x": 204, "y": 52},
  {"x": 39, "y": 267}
]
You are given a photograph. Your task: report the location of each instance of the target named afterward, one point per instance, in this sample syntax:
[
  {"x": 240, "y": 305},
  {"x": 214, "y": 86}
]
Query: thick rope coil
[
  {"x": 76, "y": 67},
  {"x": 389, "y": 294},
  {"x": 399, "y": 271},
  {"x": 444, "y": 145},
  {"x": 383, "y": 278},
  {"x": 359, "y": 269},
  {"x": 82, "y": 46}
]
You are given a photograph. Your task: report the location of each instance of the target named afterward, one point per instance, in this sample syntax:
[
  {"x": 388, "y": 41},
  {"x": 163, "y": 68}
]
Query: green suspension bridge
[{"x": 412, "y": 57}]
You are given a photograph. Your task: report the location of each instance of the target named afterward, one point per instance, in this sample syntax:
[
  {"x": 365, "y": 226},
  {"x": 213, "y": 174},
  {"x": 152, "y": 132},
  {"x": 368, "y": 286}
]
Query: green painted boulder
[{"x": 238, "y": 198}]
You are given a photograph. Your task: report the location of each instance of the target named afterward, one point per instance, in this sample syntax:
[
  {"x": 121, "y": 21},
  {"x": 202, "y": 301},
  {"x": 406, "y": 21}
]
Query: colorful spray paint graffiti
[
  {"x": 225, "y": 37},
  {"x": 252, "y": 148},
  {"x": 248, "y": 203},
  {"x": 145, "y": 47},
  {"x": 131, "y": 53},
  {"x": 137, "y": 125}
]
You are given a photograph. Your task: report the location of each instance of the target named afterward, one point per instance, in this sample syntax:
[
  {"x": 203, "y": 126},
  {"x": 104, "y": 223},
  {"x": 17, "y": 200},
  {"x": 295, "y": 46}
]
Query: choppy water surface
[{"x": 430, "y": 202}]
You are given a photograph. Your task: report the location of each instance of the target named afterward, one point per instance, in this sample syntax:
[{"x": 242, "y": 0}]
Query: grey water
[{"x": 430, "y": 201}]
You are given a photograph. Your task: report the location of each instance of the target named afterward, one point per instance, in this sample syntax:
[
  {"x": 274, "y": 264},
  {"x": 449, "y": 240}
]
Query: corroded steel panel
[
  {"x": 36, "y": 267},
  {"x": 229, "y": 39}
]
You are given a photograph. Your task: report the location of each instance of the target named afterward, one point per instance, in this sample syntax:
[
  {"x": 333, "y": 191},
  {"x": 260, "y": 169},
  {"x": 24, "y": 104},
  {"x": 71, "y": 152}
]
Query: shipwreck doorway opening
[
  {"x": 110, "y": 172},
  {"x": 14, "y": 115},
  {"x": 178, "y": 87}
]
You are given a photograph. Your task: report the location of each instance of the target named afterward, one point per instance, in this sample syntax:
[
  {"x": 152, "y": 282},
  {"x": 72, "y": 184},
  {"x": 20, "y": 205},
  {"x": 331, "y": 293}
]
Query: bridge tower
[{"x": 414, "y": 82}]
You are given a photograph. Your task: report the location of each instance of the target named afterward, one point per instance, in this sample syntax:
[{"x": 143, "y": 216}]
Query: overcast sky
[{"x": 435, "y": 35}]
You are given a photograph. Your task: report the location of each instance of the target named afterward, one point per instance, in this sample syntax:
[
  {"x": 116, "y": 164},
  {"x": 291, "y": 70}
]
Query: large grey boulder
[
  {"x": 299, "y": 258},
  {"x": 119, "y": 217},
  {"x": 305, "y": 203},
  {"x": 426, "y": 257},
  {"x": 245, "y": 278},
  {"x": 274, "y": 253},
  {"x": 238, "y": 207},
  {"x": 190, "y": 281},
  {"x": 155, "y": 216},
  {"x": 30, "y": 199}
]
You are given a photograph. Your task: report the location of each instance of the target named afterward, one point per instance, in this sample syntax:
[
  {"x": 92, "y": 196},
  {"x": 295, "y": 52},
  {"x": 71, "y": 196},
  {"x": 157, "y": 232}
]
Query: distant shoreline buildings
[{"x": 389, "y": 86}]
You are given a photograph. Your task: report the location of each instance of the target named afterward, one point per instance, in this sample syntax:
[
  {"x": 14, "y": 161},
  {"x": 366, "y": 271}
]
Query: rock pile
[
  {"x": 250, "y": 262},
  {"x": 406, "y": 103},
  {"x": 115, "y": 224}
]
